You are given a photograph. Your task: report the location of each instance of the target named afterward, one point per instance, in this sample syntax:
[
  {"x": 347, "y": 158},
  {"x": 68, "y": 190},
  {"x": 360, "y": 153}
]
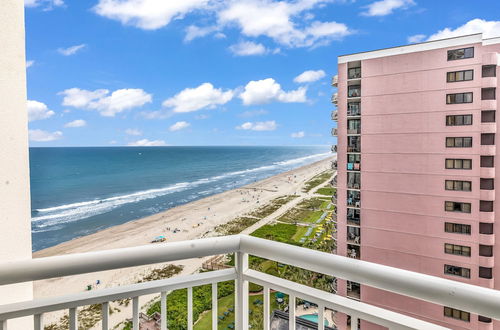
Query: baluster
[
  {"x": 214, "y": 306},
  {"x": 241, "y": 291},
  {"x": 267, "y": 320},
  {"x": 163, "y": 309},
  {"x": 291, "y": 312},
  {"x": 321, "y": 317},
  {"x": 135, "y": 313},
  {"x": 73, "y": 319},
  {"x": 38, "y": 319},
  {"x": 190, "y": 308},
  {"x": 3, "y": 324},
  {"x": 105, "y": 315},
  {"x": 354, "y": 322}
]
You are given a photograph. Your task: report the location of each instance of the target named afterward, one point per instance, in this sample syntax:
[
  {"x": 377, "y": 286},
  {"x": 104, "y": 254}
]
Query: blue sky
[{"x": 211, "y": 72}]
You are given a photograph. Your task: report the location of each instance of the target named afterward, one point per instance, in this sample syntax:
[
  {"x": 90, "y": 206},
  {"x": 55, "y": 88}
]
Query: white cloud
[
  {"x": 416, "y": 38},
  {"x": 247, "y": 48},
  {"x": 49, "y": 3},
  {"x": 147, "y": 14},
  {"x": 101, "y": 100},
  {"x": 268, "y": 90},
  {"x": 29, "y": 63},
  {"x": 38, "y": 110},
  {"x": 38, "y": 135},
  {"x": 278, "y": 21},
  {"x": 258, "y": 126},
  {"x": 71, "y": 50},
  {"x": 386, "y": 7},
  {"x": 179, "y": 125},
  {"x": 147, "y": 143},
  {"x": 193, "y": 32},
  {"x": 309, "y": 76},
  {"x": 204, "y": 96},
  {"x": 133, "y": 131},
  {"x": 298, "y": 135},
  {"x": 489, "y": 29},
  {"x": 76, "y": 123}
]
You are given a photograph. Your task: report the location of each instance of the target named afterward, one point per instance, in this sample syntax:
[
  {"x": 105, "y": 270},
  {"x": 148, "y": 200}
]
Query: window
[
  {"x": 458, "y": 185},
  {"x": 354, "y": 109},
  {"x": 489, "y": 71},
  {"x": 458, "y": 120},
  {"x": 487, "y": 184},
  {"x": 460, "y": 76},
  {"x": 456, "y": 228},
  {"x": 353, "y": 126},
  {"x": 353, "y": 180},
  {"x": 457, "y": 271},
  {"x": 488, "y": 93},
  {"x": 459, "y": 142},
  {"x": 456, "y": 314},
  {"x": 486, "y": 206},
  {"x": 354, "y": 73},
  {"x": 353, "y": 162},
  {"x": 458, "y": 164},
  {"x": 487, "y": 161},
  {"x": 485, "y": 272},
  {"x": 457, "y": 249},
  {"x": 354, "y": 91},
  {"x": 487, "y": 139},
  {"x": 459, "y": 54},
  {"x": 488, "y": 116},
  {"x": 484, "y": 319},
  {"x": 457, "y": 207},
  {"x": 486, "y": 250},
  {"x": 354, "y": 144},
  {"x": 485, "y": 228},
  {"x": 458, "y": 98}
]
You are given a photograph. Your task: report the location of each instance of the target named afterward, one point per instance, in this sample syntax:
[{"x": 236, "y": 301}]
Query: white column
[
  {"x": 73, "y": 319},
  {"x": 135, "y": 313},
  {"x": 105, "y": 315},
  {"x": 190, "y": 308},
  {"x": 241, "y": 298},
  {"x": 39, "y": 322},
  {"x": 163, "y": 309},
  {"x": 321, "y": 317},
  {"x": 354, "y": 322},
  {"x": 267, "y": 301},
  {"x": 291, "y": 312},
  {"x": 15, "y": 222},
  {"x": 215, "y": 306}
]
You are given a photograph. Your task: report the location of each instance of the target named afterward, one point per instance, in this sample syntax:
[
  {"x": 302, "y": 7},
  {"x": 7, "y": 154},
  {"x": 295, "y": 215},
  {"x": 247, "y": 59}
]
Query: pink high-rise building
[{"x": 417, "y": 165}]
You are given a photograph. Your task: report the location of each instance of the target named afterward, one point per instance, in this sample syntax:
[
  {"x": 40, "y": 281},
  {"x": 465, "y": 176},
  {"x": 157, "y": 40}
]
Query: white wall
[{"x": 15, "y": 228}]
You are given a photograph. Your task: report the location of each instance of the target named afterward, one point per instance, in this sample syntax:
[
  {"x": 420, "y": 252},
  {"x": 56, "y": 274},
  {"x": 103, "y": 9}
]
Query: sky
[{"x": 211, "y": 72}]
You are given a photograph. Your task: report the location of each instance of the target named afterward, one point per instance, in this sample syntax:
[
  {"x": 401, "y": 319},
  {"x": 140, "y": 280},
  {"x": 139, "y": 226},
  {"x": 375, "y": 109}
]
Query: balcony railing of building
[
  {"x": 334, "y": 181},
  {"x": 354, "y": 91},
  {"x": 334, "y": 164},
  {"x": 335, "y": 98},
  {"x": 335, "y": 80},
  {"x": 334, "y": 148},
  {"x": 354, "y": 73},
  {"x": 335, "y": 115},
  {"x": 353, "y": 109},
  {"x": 353, "y": 217},
  {"x": 475, "y": 299},
  {"x": 354, "y": 144},
  {"x": 334, "y": 132}
]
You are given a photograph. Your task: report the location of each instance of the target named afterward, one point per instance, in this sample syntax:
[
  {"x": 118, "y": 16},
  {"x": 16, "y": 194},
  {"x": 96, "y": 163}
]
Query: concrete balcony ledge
[
  {"x": 488, "y": 104},
  {"x": 488, "y": 127},
  {"x": 486, "y": 262},
  {"x": 490, "y": 59},
  {"x": 488, "y": 150},
  {"x": 487, "y": 216},
  {"x": 486, "y": 239},
  {"x": 487, "y": 195},
  {"x": 487, "y": 172},
  {"x": 489, "y": 82},
  {"x": 463, "y": 296},
  {"x": 487, "y": 282}
]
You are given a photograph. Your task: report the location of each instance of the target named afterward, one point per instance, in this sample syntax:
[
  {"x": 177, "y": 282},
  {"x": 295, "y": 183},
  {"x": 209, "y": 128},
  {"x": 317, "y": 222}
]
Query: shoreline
[{"x": 194, "y": 220}]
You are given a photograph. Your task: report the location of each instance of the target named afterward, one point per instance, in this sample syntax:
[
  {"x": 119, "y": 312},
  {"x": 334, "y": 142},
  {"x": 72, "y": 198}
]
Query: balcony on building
[
  {"x": 354, "y": 162},
  {"x": 334, "y": 148},
  {"x": 354, "y": 70},
  {"x": 334, "y": 182},
  {"x": 353, "y": 109},
  {"x": 353, "y": 216},
  {"x": 334, "y": 131},
  {"x": 354, "y": 91},
  {"x": 335, "y": 80},
  {"x": 354, "y": 144},
  {"x": 334, "y": 165},
  {"x": 353, "y": 180},
  {"x": 353, "y": 290},
  {"x": 354, "y": 126},
  {"x": 335, "y": 98},
  {"x": 335, "y": 115},
  {"x": 353, "y": 251},
  {"x": 354, "y": 198},
  {"x": 354, "y": 235}
]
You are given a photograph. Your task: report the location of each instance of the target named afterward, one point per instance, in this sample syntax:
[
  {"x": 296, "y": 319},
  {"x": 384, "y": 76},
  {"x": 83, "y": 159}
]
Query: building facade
[{"x": 416, "y": 168}]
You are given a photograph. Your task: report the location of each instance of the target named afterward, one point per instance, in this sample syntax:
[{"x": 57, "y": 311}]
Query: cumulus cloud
[
  {"x": 147, "y": 14},
  {"x": 38, "y": 110},
  {"x": 258, "y": 126},
  {"x": 147, "y": 143},
  {"x": 193, "y": 32},
  {"x": 76, "y": 123},
  {"x": 38, "y": 135},
  {"x": 101, "y": 100},
  {"x": 133, "y": 132},
  {"x": 416, "y": 38},
  {"x": 247, "y": 48},
  {"x": 29, "y": 63},
  {"x": 71, "y": 50},
  {"x": 489, "y": 29},
  {"x": 268, "y": 90},
  {"x": 298, "y": 135},
  {"x": 179, "y": 125},
  {"x": 49, "y": 4},
  {"x": 386, "y": 7},
  {"x": 204, "y": 96},
  {"x": 309, "y": 76}
]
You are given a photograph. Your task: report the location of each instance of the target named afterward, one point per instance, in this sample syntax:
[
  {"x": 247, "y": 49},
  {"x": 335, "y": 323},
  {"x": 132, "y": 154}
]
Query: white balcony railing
[
  {"x": 335, "y": 80},
  {"x": 335, "y": 115},
  {"x": 335, "y": 98},
  {"x": 334, "y": 132},
  {"x": 441, "y": 291}
]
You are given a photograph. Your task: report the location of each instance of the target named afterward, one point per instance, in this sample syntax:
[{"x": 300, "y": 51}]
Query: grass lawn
[
  {"x": 280, "y": 232},
  {"x": 327, "y": 191},
  {"x": 236, "y": 226},
  {"x": 205, "y": 320},
  {"x": 300, "y": 232},
  {"x": 301, "y": 215},
  {"x": 317, "y": 180},
  {"x": 271, "y": 207}
]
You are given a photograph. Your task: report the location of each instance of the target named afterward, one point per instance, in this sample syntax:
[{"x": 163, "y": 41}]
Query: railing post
[
  {"x": 241, "y": 291},
  {"x": 135, "y": 313},
  {"x": 354, "y": 322},
  {"x": 214, "y": 306},
  {"x": 3, "y": 324},
  {"x": 73, "y": 319},
  {"x": 321, "y": 317},
  {"x": 38, "y": 319},
  {"x": 267, "y": 319},
  {"x": 163, "y": 310},
  {"x": 190, "y": 308},
  {"x": 291, "y": 312},
  {"x": 105, "y": 315}
]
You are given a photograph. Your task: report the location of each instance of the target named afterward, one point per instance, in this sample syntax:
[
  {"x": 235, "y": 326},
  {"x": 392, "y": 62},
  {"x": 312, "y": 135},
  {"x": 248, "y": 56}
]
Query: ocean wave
[{"x": 46, "y": 218}]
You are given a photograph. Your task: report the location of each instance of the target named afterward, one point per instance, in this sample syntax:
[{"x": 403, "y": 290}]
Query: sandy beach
[{"x": 190, "y": 221}]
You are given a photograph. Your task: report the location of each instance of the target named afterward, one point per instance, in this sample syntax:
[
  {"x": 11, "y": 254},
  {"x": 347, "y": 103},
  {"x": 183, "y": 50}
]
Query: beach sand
[{"x": 195, "y": 220}]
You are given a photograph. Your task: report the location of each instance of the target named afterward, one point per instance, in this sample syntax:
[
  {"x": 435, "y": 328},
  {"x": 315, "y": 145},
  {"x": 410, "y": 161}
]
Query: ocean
[{"x": 78, "y": 191}]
